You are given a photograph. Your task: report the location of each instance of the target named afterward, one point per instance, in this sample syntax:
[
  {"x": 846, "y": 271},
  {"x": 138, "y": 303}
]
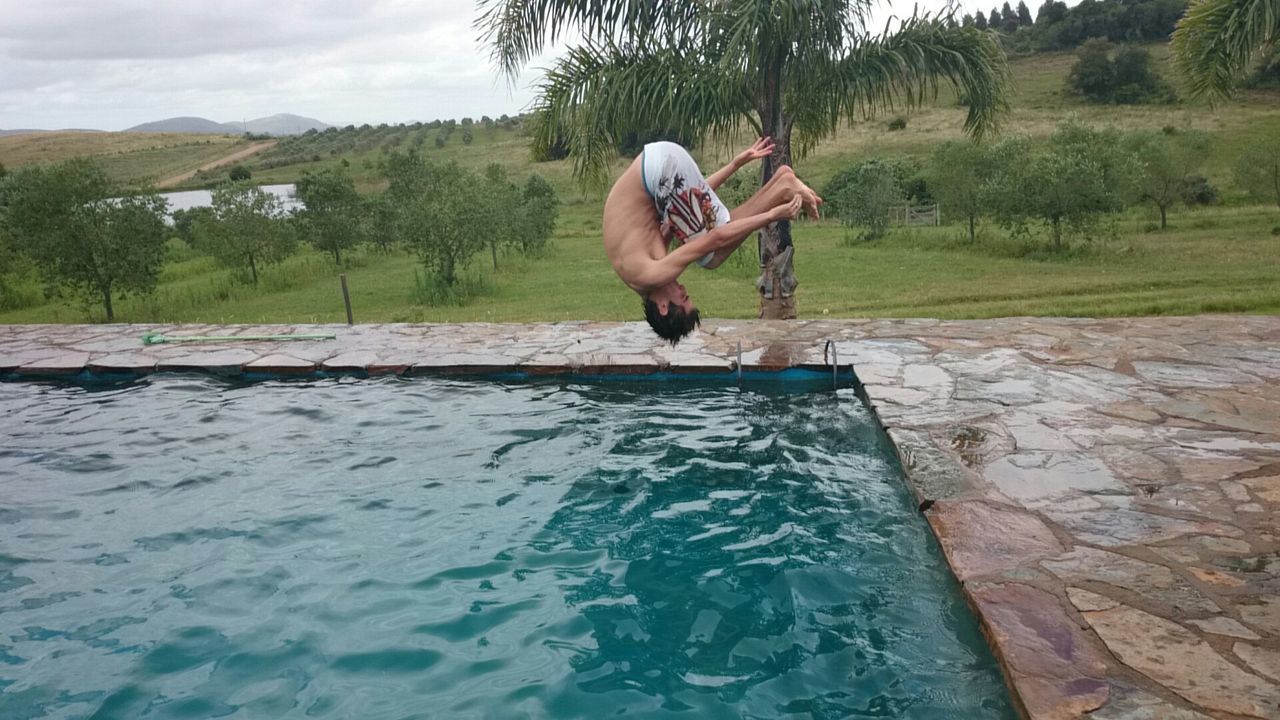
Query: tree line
[
  {"x": 1065, "y": 185},
  {"x": 1058, "y": 27},
  {"x": 81, "y": 234}
]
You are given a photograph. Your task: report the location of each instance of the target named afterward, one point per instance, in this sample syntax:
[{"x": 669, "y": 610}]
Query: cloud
[{"x": 111, "y": 64}]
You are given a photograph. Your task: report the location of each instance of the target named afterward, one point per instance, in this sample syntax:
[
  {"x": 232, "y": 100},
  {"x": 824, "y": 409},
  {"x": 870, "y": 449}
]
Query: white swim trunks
[{"x": 687, "y": 206}]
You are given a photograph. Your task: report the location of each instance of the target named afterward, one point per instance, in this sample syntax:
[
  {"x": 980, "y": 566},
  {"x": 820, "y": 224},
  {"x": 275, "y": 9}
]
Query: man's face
[{"x": 672, "y": 294}]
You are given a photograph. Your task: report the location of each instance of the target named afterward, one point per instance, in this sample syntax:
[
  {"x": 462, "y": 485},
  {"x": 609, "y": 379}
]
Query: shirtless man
[{"x": 662, "y": 198}]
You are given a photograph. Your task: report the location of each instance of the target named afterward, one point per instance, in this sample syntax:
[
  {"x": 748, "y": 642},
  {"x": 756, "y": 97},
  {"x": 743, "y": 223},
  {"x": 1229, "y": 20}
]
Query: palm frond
[
  {"x": 905, "y": 66},
  {"x": 517, "y": 30},
  {"x": 598, "y": 92},
  {"x": 1216, "y": 39}
]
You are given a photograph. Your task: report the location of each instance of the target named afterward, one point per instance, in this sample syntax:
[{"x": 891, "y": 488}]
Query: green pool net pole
[{"x": 158, "y": 339}]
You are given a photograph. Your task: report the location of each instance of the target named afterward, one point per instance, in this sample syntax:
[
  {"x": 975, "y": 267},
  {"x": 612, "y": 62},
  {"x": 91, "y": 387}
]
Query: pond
[{"x": 187, "y": 199}]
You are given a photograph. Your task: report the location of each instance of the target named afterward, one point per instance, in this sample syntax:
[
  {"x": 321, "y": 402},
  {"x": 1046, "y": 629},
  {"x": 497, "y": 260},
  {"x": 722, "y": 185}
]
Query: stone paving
[{"x": 1107, "y": 491}]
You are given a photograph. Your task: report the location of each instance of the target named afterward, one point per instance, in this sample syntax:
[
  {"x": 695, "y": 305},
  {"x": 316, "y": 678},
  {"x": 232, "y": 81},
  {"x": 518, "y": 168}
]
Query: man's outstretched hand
[
  {"x": 762, "y": 148},
  {"x": 789, "y": 210}
]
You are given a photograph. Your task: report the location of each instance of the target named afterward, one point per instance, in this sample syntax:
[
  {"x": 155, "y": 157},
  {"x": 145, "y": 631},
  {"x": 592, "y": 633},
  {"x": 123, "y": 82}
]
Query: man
[{"x": 661, "y": 199}]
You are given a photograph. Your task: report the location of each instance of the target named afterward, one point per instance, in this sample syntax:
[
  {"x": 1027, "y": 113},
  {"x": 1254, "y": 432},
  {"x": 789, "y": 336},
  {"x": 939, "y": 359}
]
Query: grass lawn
[{"x": 1213, "y": 260}]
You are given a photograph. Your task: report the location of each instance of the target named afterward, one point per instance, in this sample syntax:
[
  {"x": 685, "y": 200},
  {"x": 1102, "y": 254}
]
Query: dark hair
[{"x": 674, "y": 325}]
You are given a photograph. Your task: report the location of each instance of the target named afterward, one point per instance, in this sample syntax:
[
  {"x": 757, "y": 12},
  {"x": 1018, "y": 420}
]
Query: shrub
[
  {"x": 898, "y": 123},
  {"x": 861, "y": 196},
  {"x": 1199, "y": 191},
  {"x": 239, "y": 173},
  {"x": 1103, "y": 73}
]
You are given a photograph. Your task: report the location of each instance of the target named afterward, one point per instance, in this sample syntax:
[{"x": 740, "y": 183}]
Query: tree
[
  {"x": 502, "y": 197},
  {"x": 1008, "y": 18},
  {"x": 1136, "y": 81},
  {"x": 379, "y": 229},
  {"x": 1093, "y": 75},
  {"x": 1168, "y": 163},
  {"x": 1103, "y": 73},
  {"x": 332, "y": 215},
  {"x": 1051, "y": 13},
  {"x": 1068, "y": 183},
  {"x": 957, "y": 174},
  {"x": 863, "y": 196},
  {"x": 1216, "y": 41},
  {"x": 437, "y": 213},
  {"x": 85, "y": 233},
  {"x": 980, "y": 21},
  {"x": 1258, "y": 169},
  {"x": 540, "y": 207},
  {"x": 184, "y": 221},
  {"x": 246, "y": 230},
  {"x": 1024, "y": 14},
  {"x": 792, "y": 71}
]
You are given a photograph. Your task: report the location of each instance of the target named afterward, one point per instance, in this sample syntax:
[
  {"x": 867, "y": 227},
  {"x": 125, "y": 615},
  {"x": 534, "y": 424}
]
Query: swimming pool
[{"x": 186, "y": 547}]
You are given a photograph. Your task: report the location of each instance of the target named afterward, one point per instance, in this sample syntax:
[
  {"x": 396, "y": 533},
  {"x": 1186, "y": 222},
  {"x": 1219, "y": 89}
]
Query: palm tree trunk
[
  {"x": 106, "y": 303},
  {"x": 777, "y": 281}
]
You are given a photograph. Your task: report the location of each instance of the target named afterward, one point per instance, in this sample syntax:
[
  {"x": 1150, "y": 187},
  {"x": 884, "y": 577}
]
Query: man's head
[{"x": 670, "y": 312}]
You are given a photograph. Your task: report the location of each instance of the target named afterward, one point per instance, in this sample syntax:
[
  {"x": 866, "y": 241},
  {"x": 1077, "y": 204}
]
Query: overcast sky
[{"x": 112, "y": 64}]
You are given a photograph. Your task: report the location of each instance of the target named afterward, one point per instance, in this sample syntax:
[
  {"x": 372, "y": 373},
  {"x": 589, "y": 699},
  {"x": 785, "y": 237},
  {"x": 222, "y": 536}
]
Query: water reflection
[{"x": 187, "y": 199}]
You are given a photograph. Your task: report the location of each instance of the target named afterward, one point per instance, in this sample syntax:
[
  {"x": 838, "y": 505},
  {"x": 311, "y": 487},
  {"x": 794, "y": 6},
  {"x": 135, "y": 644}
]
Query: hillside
[
  {"x": 183, "y": 125},
  {"x": 128, "y": 158},
  {"x": 279, "y": 124}
]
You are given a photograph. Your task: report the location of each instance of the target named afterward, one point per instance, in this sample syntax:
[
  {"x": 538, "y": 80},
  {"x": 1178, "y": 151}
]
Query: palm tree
[
  {"x": 1216, "y": 39},
  {"x": 789, "y": 69}
]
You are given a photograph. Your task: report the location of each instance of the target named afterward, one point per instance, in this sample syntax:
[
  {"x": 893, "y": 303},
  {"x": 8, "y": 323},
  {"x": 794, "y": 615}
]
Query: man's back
[{"x": 632, "y": 239}]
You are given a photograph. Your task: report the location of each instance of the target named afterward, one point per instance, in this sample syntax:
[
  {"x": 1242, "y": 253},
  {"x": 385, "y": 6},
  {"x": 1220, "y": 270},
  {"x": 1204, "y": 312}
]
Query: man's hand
[
  {"x": 788, "y": 211},
  {"x": 762, "y": 148}
]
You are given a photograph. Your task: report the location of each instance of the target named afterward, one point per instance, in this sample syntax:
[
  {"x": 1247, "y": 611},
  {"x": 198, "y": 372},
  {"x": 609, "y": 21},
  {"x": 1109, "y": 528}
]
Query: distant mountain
[
  {"x": 283, "y": 124},
  {"x": 28, "y": 131},
  {"x": 186, "y": 125}
]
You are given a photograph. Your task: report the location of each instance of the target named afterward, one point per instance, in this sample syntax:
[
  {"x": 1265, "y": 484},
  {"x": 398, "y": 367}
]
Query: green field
[
  {"x": 126, "y": 157},
  {"x": 1221, "y": 259}
]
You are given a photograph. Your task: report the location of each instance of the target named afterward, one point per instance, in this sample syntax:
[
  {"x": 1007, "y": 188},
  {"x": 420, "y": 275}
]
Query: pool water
[{"x": 183, "y": 547}]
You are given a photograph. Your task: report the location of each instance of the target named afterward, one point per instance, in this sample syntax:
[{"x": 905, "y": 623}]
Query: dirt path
[{"x": 237, "y": 155}]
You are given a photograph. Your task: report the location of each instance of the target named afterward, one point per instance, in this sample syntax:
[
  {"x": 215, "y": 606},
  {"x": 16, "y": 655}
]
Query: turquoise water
[{"x": 182, "y": 547}]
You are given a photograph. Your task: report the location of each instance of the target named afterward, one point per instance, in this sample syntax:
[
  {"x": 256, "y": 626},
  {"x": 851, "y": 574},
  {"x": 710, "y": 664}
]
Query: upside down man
[{"x": 662, "y": 216}]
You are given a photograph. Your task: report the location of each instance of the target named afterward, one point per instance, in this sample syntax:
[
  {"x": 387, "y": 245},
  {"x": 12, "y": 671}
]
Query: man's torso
[{"x": 632, "y": 238}]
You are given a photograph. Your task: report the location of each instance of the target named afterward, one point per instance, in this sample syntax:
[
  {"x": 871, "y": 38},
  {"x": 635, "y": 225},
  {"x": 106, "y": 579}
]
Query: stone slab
[
  {"x": 965, "y": 530},
  {"x": 1055, "y": 670},
  {"x": 1179, "y": 660}
]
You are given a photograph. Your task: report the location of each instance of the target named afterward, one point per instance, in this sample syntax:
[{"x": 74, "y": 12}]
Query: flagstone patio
[{"x": 1107, "y": 491}]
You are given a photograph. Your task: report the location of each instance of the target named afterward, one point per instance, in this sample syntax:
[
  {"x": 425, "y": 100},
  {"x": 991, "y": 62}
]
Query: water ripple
[{"x": 187, "y": 547}]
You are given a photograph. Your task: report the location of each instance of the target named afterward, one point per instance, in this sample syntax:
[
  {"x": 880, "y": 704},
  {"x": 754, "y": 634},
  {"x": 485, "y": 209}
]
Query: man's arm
[
  {"x": 762, "y": 148},
  {"x": 722, "y": 241}
]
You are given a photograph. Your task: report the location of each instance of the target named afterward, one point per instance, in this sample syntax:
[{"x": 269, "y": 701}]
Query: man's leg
[{"x": 783, "y": 186}]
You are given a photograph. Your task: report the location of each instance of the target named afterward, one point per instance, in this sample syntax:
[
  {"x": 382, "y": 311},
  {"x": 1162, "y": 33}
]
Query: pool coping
[{"x": 1131, "y": 466}]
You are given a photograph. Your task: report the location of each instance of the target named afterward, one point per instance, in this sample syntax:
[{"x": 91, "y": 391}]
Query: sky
[{"x": 112, "y": 64}]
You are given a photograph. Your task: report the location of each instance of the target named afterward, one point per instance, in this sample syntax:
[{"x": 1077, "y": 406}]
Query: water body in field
[{"x": 188, "y": 199}]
